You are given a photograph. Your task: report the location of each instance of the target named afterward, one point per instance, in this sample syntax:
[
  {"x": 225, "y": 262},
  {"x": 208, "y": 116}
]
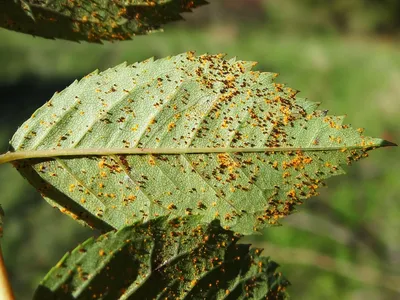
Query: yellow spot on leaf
[
  {"x": 171, "y": 126},
  {"x": 71, "y": 187}
]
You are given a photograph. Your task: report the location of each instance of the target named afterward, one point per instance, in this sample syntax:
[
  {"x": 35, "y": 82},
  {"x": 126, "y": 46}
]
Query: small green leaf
[
  {"x": 93, "y": 21},
  {"x": 176, "y": 259},
  {"x": 182, "y": 136}
]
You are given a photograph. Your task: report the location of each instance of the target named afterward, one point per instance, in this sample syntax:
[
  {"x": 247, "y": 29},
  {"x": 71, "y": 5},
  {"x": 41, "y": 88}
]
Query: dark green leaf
[
  {"x": 93, "y": 21},
  {"x": 176, "y": 259}
]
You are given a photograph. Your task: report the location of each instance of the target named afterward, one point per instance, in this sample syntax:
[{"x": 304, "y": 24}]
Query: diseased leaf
[
  {"x": 93, "y": 21},
  {"x": 183, "y": 135},
  {"x": 176, "y": 259}
]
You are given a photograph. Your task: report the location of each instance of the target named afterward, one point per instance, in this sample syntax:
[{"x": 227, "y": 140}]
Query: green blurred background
[{"x": 344, "y": 244}]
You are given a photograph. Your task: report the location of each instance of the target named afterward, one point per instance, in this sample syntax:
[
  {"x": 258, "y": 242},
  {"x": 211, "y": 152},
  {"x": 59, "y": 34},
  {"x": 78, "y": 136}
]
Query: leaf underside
[
  {"x": 93, "y": 21},
  {"x": 215, "y": 139},
  {"x": 176, "y": 259}
]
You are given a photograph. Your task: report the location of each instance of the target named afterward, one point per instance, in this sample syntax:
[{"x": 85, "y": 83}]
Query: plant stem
[{"x": 6, "y": 292}]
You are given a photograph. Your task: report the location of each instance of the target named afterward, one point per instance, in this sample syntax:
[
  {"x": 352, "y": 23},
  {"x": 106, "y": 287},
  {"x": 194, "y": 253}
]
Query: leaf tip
[{"x": 385, "y": 143}]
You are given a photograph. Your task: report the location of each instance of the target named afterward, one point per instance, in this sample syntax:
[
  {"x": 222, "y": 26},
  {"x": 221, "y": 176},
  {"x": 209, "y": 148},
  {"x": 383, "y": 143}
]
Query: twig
[{"x": 6, "y": 292}]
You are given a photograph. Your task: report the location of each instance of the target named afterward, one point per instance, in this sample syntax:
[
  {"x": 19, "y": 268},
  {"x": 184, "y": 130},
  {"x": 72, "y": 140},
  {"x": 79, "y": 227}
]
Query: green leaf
[
  {"x": 93, "y": 21},
  {"x": 179, "y": 136},
  {"x": 176, "y": 259}
]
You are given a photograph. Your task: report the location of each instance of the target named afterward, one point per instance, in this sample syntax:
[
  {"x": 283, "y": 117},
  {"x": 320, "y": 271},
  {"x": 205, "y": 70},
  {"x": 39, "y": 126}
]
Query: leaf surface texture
[
  {"x": 161, "y": 259},
  {"x": 91, "y": 20},
  {"x": 184, "y": 135}
]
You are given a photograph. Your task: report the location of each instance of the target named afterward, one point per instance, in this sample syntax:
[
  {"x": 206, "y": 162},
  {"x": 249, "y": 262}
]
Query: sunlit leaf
[
  {"x": 93, "y": 21},
  {"x": 179, "y": 136},
  {"x": 161, "y": 259}
]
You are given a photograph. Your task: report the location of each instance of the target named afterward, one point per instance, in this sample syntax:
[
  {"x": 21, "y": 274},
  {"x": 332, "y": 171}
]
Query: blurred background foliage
[{"x": 343, "y": 244}]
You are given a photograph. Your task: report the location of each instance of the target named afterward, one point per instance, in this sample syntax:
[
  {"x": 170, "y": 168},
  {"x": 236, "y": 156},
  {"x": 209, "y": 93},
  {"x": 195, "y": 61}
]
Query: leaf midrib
[{"x": 84, "y": 152}]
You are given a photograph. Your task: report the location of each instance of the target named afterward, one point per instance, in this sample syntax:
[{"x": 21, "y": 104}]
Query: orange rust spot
[
  {"x": 228, "y": 217},
  {"x": 171, "y": 206},
  {"x": 152, "y": 160},
  {"x": 225, "y": 162},
  {"x": 193, "y": 282},
  {"x": 101, "y": 163},
  {"x": 171, "y": 126},
  {"x": 190, "y": 55},
  {"x": 132, "y": 197},
  {"x": 71, "y": 187},
  {"x": 291, "y": 193}
]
